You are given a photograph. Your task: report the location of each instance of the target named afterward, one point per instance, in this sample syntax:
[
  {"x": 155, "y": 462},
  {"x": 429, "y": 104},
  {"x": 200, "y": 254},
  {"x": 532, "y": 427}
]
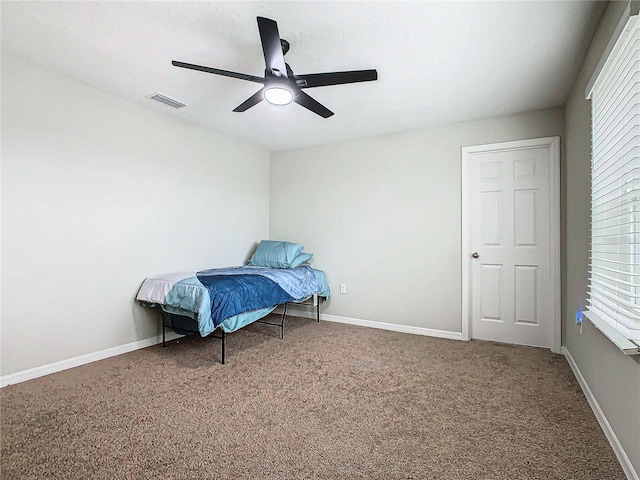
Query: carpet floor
[{"x": 330, "y": 401}]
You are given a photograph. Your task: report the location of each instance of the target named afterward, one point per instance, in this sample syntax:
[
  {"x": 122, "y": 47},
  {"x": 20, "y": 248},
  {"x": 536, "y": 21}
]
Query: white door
[{"x": 510, "y": 242}]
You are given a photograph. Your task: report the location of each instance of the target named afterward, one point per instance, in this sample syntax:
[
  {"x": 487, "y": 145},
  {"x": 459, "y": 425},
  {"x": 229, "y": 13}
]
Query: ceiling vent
[{"x": 172, "y": 102}]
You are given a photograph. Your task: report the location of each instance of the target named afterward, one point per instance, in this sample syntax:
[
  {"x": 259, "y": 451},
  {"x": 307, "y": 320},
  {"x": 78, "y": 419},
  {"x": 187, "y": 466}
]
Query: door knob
[{"x": 475, "y": 255}]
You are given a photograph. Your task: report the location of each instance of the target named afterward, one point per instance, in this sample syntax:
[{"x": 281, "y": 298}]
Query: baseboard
[
  {"x": 43, "y": 370},
  {"x": 627, "y": 467},
  {"x": 429, "y": 332}
]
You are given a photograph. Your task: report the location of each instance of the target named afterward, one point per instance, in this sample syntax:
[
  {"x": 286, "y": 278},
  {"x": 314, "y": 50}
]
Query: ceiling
[{"x": 437, "y": 62}]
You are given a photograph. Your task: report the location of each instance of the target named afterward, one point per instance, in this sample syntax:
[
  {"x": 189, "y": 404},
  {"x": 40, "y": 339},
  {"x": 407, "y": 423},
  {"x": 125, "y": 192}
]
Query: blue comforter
[{"x": 237, "y": 290}]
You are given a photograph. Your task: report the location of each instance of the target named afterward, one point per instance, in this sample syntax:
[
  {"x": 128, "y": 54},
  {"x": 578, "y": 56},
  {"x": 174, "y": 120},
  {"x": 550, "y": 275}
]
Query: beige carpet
[{"x": 330, "y": 401}]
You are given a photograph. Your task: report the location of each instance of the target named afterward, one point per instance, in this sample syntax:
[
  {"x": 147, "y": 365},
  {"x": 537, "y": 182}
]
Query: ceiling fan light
[{"x": 278, "y": 95}]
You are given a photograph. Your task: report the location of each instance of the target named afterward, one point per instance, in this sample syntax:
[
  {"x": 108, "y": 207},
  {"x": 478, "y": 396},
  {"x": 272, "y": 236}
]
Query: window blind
[{"x": 614, "y": 283}]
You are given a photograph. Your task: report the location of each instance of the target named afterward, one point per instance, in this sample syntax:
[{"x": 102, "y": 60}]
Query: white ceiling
[{"x": 437, "y": 62}]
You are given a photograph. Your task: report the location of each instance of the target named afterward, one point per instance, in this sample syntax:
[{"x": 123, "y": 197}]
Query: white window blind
[{"x": 614, "y": 283}]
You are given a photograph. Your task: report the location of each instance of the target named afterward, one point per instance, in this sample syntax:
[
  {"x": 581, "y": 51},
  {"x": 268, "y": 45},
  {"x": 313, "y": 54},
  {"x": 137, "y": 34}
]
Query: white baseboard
[
  {"x": 429, "y": 332},
  {"x": 43, "y": 370},
  {"x": 627, "y": 467}
]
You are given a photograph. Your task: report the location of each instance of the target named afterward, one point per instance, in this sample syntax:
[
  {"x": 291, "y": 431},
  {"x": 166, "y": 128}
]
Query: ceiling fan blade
[
  {"x": 335, "y": 78},
  {"x": 251, "y": 101},
  {"x": 217, "y": 71},
  {"x": 272, "y": 48},
  {"x": 309, "y": 103}
]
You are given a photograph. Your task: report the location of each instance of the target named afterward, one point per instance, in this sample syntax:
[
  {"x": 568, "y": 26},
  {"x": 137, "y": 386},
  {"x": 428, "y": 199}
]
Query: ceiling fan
[{"x": 281, "y": 85}]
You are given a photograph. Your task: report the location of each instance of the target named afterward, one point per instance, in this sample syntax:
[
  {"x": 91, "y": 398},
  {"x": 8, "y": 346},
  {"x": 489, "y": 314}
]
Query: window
[{"x": 614, "y": 274}]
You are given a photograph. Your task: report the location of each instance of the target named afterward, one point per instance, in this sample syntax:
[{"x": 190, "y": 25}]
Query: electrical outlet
[{"x": 343, "y": 288}]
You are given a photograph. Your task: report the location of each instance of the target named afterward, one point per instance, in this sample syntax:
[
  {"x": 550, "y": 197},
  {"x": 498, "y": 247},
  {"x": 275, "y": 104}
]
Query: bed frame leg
[
  {"x": 164, "y": 342},
  {"x": 284, "y": 313},
  {"x": 222, "y": 356},
  {"x": 318, "y": 310}
]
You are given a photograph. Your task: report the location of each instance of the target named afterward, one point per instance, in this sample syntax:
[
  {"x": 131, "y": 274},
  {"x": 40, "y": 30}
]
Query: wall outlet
[{"x": 343, "y": 288}]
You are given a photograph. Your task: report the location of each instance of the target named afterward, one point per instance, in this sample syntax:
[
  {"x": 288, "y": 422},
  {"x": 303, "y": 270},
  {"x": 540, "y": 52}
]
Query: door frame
[{"x": 553, "y": 143}]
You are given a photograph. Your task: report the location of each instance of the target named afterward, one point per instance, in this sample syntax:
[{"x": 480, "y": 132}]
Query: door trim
[{"x": 553, "y": 143}]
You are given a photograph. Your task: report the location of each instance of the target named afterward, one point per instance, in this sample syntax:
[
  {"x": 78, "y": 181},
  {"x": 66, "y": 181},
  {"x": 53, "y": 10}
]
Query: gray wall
[
  {"x": 613, "y": 378},
  {"x": 97, "y": 194},
  {"x": 383, "y": 215}
]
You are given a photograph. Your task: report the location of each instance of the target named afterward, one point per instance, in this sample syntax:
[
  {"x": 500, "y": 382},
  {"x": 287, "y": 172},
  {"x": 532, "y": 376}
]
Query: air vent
[{"x": 172, "y": 102}]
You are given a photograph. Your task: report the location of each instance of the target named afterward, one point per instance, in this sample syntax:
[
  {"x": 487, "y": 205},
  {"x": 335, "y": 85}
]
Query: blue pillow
[
  {"x": 275, "y": 254},
  {"x": 300, "y": 259}
]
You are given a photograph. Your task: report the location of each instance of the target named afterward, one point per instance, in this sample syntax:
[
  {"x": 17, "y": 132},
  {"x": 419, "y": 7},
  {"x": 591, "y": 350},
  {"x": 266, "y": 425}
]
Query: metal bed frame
[{"x": 314, "y": 301}]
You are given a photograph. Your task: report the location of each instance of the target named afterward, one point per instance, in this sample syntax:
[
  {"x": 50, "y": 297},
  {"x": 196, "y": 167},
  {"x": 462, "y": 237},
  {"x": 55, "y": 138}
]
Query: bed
[{"x": 227, "y": 299}]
